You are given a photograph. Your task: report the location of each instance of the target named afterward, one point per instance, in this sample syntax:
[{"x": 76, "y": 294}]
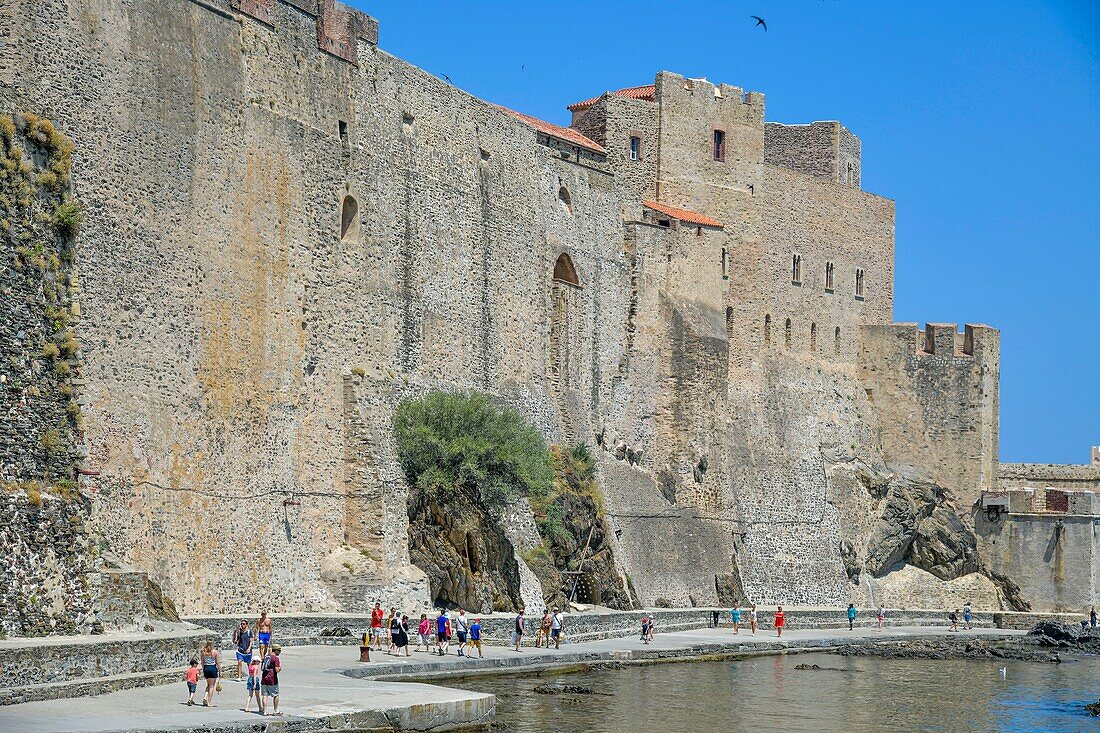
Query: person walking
[
  {"x": 967, "y": 615},
  {"x": 242, "y": 639},
  {"x": 424, "y": 631},
  {"x": 735, "y": 618},
  {"x": 517, "y": 632},
  {"x": 557, "y": 626},
  {"x": 402, "y": 639},
  {"x": 475, "y": 636},
  {"x": 954, "y": 618},
  {"x": 269, "y": 680},
  {"x": 254, "y": 684},
  {"x": 376, "y": 616},
  {"x": 211, "y": 671},
  {"x": 649, "y": 632},
  {"x": 441, "y": 624},
  {"x": 780, "y": 621},
  {"x": 542, "y": 636},
  {"x": 645, "y": 629},
  {"x": 462, "y": 628},
  {"x": 1092, "y": 617},
  {"x": 264, "y": 628},
  {"x": 851, "y": 616},
  {"x": 191, "y": 676},
  {"x": 752, "y": 619},
  {"x": 880, "y": 616}
]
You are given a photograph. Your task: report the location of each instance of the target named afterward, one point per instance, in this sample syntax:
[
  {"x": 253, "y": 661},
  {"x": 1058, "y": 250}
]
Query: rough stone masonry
[{"x": 288, "y": 229}]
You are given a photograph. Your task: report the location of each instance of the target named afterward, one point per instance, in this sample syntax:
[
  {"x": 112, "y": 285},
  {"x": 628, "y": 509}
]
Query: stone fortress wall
[{"x": 289, "y": 229}]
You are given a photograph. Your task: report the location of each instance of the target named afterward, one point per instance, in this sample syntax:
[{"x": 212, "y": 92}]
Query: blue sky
[{"x": 980, "y": 119}]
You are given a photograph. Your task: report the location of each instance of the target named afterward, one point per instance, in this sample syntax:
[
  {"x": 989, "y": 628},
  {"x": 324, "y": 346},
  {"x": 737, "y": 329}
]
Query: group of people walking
[
  {"x": 397, "y": 630},
  {"x": 255, "y": 654}
]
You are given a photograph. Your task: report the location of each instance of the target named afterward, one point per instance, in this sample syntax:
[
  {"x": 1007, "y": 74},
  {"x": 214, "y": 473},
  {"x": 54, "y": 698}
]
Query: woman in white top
[{"x": 752, "y": 618}]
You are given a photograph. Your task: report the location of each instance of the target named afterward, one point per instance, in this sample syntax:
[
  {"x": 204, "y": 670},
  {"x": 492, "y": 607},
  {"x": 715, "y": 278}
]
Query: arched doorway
[{"x": 565, "y": 352}]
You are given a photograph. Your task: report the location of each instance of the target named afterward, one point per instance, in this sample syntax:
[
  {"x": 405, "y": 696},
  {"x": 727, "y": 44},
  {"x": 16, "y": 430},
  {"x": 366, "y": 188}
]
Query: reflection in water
[{"x": 854, "y": 695}]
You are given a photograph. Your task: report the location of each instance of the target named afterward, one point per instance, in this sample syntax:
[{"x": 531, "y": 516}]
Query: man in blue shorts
[{"x": 242, "y": 639}]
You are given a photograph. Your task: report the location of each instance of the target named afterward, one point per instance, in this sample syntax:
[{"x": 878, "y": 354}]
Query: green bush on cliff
[{"x": 468, "y": 441}]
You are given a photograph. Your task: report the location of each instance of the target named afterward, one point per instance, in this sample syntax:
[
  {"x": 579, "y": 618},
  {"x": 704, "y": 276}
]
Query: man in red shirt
[{"x": 376, "y": 625}]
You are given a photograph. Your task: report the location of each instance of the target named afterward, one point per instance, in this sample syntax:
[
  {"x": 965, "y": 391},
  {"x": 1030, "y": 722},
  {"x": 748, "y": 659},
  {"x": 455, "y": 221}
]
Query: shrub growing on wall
[{"x": 466, "y": 440}]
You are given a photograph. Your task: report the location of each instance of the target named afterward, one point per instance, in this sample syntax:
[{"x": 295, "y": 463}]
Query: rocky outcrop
[
  {"x": 949, "y": 649},
  {"x": 584, "y": 547},
  {"x": 1066, "y": 636},
  {"x": 463, "y": 550}
]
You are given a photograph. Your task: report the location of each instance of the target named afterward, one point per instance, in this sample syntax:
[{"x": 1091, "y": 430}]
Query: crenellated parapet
[
  {"x": 339, "y": 27},
  {"x": 937, "y": 397}
]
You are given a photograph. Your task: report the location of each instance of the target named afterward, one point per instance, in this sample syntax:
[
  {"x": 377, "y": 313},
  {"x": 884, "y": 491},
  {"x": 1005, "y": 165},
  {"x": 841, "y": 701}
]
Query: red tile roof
[
  {"x": 683, "y": 215},
  {"x": 648, "y": 92},
  {"x": 567, "y": 134}
]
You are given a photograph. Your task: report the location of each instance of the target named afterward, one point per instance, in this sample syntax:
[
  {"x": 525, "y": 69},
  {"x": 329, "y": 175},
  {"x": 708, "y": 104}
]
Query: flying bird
[
  {"x": 759, "y": 21},
  {"x": 447, "y": 78}
]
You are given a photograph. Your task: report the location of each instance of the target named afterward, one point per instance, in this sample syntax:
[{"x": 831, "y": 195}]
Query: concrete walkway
[{"x": 320, "y": 682}]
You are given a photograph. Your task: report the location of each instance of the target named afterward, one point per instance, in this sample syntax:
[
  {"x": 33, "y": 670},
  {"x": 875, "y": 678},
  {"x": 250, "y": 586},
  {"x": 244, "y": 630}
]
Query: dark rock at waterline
[
  {"x": 1066, "y": 636},
  {"x": 961, "y": 649},
  {"x": 551, "y": 688},
  {"x": 336, "y": 631},
  {"x": 806, "y": 666},
  {"x": 1093, "y": 708},
  {"x": 818, "y": 667}
]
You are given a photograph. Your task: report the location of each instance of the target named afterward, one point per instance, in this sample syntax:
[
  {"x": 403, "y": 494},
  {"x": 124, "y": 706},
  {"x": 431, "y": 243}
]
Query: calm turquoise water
[{"x": 769, "y": 694}]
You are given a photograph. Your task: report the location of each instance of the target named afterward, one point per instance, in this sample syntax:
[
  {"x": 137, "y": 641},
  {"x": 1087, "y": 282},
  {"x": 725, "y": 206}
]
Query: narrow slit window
[
  {"x": 813, "y": 338},
  {"x": 796, "y": 270},
  {"x": 725, "y": 264},
  {"x": 836, "y": 341},
  {"x": 635, "y": 147},
  {"x": 859, "y": 283},
  {"x": 829, "y": 277},
  {"x": 767, "y": 329},
  {"x": 787, "y": 337},
  {"x": 719, "y": 144}
]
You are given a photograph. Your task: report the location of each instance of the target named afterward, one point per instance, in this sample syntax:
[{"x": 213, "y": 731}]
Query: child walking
[
  {"x": 192, "y": 677},
  {"x": 254, "y": 684}
]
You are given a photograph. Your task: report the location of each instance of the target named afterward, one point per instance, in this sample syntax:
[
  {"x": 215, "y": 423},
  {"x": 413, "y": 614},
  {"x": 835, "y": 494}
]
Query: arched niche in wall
[
  {"x": 349, "y": 219},
  {"x": 565, "y": 199},
  {"x": 565, "y": 271}
]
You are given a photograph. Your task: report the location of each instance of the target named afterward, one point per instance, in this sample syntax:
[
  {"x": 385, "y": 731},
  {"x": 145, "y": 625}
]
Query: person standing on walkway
[
  {"x": 475, "y": 636},
  {"x": 557, "y": 626},
  {"x": 543, "y": 634},
  {"x": 462, "y": 627},
  {"x": 880, "y": 616},
  {"x": 517, "y": 632},
  {"x": 780, "y": 620},
  {"x": 402, "y": 639},
  {"x": 424, "y": 631},
  {"x": 389, "y": 629},
  {"x": 752, "y": 619},
  {"x": 264, "y": 628},
  {"x": 851, "y": 616},
  {"x": 394, "y": 630},
  {"x": 269, "y": 680},
  {"x": 1092, "y": 617},
  {"x": 649, "y": 633},
  {"x": 645, "y": 629},
  {"x": 967, "y": 615},
  {"x": 954, "y": 617},
  {"x": 211, "y": 670},
  {"x": 735, "y": 618},
  {"x": 242, "y": 639},
  {"x": 441, "y": 624},
  {"x": 376, "y": 625}
]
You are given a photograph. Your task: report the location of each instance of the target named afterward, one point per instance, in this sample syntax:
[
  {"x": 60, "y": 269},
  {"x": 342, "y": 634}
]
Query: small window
[
  {"x": 635, "y": 147},
  {"x": 836, "y": 341},
  {"x": 719, "y": 144},
  {"x": 859, "y": 283},
  {"x": 796, "y": 270},
  {"x": 787, "y": 338},
  {"x": 665, "y": 222},
  {"x": 725, "y": 264},
  {"x": 829, "y": 277},
  {"x": 851, "y": 174},
  {"x": 813, "y": 338},
  {"x": 343, "y": 131},
  {"x": 767, "y": 329}
]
